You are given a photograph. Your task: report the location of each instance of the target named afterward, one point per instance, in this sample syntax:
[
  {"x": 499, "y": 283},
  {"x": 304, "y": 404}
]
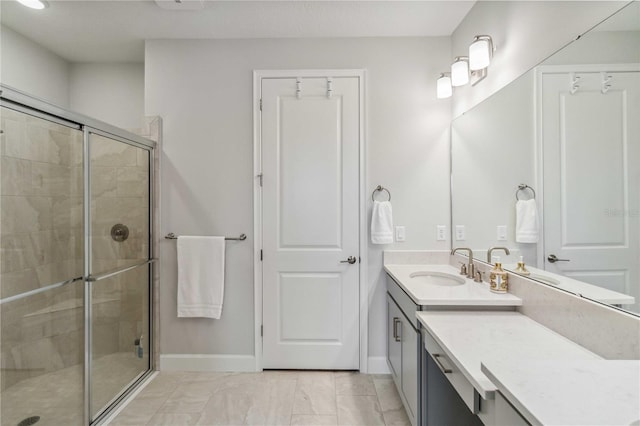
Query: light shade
[
  {"x": 33, "y": 4},
  {"x": 480, "y": 52},
  {"x": 460, "y": 71},
  {"x": 443, "y": 87}
]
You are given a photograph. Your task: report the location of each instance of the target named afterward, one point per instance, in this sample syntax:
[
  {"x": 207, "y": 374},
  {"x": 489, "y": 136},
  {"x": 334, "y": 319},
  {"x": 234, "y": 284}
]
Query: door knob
[
  {"x": 553, "y": 259},
  {"x": 350, "y": 260}
]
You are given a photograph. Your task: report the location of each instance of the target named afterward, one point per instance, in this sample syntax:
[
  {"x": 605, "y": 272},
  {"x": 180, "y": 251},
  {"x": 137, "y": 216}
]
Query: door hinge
[
  {"x": 260, "y": 177},
  {"x": 260, "y": 104},
  {"x": 261, "y": 255},
  {"x": 261, "y": 330}
]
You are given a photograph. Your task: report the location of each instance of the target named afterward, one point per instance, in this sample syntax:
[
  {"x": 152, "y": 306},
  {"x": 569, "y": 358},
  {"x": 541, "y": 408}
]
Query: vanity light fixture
[
  {"x": 460, "y": 71},
  {"x": 443, "y": 86},
  {"x": 480, "y": 52},
  {"x": 34, "y": 4},
  {"x": 467, "y": 69}
]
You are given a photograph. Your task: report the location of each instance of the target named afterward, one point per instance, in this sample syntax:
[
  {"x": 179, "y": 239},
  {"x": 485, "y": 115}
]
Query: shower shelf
[{"x": 67, "y": 305}]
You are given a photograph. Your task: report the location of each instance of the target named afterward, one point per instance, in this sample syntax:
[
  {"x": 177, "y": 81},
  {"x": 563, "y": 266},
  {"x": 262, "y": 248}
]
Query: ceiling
[{"x": 114, "y": 31}]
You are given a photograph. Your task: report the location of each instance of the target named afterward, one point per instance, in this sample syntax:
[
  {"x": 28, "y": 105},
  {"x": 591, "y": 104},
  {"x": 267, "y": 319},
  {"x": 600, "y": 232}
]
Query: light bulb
[
  {"x": 33, "y": 4},
  {"x": 480, "y": 52},
  {"x": 443, "y": 87},
  {"x": 460, "y": 72}
]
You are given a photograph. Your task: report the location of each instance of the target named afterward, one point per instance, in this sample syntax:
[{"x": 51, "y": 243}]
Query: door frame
[
  {"x": 540, "y": 71},
  {"x": 258, "y": 75}
]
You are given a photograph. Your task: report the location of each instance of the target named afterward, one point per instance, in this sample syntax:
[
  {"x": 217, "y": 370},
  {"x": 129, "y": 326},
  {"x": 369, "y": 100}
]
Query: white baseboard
[
  {"x": 199, "y": 362},
  {"x": 378, "y": 365}
]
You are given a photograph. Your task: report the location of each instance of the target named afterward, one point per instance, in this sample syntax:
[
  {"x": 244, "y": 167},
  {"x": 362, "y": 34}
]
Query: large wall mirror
[{"x": 561, "y": 142}]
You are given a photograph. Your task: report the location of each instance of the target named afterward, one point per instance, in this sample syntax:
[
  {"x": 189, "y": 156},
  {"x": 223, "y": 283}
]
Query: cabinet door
[
  {"x": 410, "y": 349},
  {"x": 394, "y": 349}
]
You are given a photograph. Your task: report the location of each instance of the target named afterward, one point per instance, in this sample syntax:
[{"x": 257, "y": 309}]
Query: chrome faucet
[
  {"x": 470, "y": 267},
  {"x": 506, "y": 250}
]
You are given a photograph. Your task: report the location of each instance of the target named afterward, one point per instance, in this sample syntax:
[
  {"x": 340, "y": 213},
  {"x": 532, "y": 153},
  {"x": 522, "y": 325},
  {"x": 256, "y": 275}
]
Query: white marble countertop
[
  {"x": 474, "y": 337},
  {"x": 591, "y": 291},
  {"x": 576, "y": 392},
  {"x": 468, "y": 294}
]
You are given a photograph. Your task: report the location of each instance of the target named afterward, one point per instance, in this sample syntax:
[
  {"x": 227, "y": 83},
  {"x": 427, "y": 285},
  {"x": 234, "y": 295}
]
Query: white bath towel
[
  {"x": 382, "y": 223},
  {"x": 200, "y": 276},
  {"x": 526, "y": 221}
]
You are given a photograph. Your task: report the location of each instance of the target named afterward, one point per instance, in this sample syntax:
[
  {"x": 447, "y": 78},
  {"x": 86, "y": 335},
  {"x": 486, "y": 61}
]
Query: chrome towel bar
[{"x": 242, "y": 237}]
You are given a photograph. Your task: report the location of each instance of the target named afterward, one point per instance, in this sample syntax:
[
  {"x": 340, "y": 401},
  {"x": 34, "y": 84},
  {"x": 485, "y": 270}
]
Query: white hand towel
[
  {"x": 200, "y": 276},
  {"x": 382, "y": 223},
  {"x": 526, "y": 221}
]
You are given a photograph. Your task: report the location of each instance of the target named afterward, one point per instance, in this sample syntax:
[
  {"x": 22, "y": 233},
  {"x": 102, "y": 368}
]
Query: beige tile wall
[
  {"x": 41, "y": 243},
  {"x": 120, "y": 191},
  {"x": 153, "y": 131}
]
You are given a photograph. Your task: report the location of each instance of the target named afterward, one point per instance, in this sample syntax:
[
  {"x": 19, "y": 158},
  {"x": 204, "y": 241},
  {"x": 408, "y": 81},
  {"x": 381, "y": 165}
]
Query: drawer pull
[
  {"x": 396, "y": 321},
  {"x": 436, "y": 358}
]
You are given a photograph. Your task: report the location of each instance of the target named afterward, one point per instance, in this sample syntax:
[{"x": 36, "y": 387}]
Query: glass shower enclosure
[{"x": 75, "y": 264}]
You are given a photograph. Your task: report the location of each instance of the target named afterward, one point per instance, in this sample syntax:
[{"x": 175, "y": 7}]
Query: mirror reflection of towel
[
  {"x": 526, "y": 221},
  {"x": 382, "y": 223}
]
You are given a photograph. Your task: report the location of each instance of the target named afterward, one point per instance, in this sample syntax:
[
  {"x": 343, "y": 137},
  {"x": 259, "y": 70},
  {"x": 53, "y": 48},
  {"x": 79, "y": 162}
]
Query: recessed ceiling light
[{"x": 34, "y": 4}]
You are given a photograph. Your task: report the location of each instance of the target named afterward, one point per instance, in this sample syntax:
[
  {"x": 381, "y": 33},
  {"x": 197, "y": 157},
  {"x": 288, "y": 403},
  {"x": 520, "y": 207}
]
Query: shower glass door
[
  {"x": 75, "y": 264},
  {"x": 119, "y": 267},
  {"x": 42, "y": 263}
]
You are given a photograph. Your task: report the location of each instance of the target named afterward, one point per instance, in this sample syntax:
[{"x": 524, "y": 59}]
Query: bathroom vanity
[
  {"x": 415, "y": 288},
  {"x": 460, "y": 354}
]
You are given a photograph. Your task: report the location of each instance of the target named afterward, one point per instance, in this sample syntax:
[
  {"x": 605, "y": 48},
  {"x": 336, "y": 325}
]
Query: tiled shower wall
[
  {"x": 41, "y": 228},
  {"x": 41, "y": 239},
  {"x": 120, "y": 189}
]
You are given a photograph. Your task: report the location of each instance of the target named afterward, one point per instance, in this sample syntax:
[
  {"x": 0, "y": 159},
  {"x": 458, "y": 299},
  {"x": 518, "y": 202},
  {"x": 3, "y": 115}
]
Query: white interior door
[
  {"x": 310, "y": 166},
  {"x": 591, "y": 143}
]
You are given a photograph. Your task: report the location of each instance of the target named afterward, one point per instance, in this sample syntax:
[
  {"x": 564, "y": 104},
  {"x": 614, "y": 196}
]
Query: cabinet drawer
[{"x": 451, "y": 372}]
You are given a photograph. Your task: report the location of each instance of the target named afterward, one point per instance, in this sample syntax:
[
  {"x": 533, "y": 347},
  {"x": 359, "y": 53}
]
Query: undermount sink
[
  {"x": 544, "y": 279},
  {"x": 437, "y": 278}
]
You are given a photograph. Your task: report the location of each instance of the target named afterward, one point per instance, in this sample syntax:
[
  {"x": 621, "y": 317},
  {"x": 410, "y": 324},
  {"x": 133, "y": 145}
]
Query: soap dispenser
[
  {"x": 498, "y": 278},
  {"x": 521, "y": 269}
]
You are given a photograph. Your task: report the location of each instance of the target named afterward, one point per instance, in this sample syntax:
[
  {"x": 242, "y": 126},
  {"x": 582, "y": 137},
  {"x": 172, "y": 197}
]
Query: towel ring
[
  {"x": 522, "y": 187},
  {"x": 380, "y": 188}
]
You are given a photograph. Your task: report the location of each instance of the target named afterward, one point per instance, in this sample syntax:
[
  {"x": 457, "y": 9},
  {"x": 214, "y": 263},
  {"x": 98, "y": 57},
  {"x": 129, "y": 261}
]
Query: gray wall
[
  {"x": 203, "y": 91},
  {"x": 525, "y": 33},
  {"x": 27, "y": 66},
  {"x": 109, "y": 92}
]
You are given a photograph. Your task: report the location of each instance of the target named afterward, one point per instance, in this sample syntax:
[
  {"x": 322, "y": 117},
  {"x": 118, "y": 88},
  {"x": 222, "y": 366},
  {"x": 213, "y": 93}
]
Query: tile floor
[
  {"x": 267, "y": 398},
  {"x": 57, "y": 397}
]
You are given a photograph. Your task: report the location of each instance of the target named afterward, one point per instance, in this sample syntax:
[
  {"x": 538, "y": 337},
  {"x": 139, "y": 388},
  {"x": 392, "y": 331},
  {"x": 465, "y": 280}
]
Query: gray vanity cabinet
[
  {"x": 394, "y": 344},
  {"x": 410, "y": 366},
  {"x": 403, "y": 348}
]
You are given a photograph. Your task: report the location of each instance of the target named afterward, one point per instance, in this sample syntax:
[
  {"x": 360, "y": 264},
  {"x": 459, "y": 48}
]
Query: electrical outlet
[
  {"x": 502, "y": 232},
  {"x": 441, "y": 233},
  {"x": 461, "y": 233},
  {"x": 401, "y": 233}
]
